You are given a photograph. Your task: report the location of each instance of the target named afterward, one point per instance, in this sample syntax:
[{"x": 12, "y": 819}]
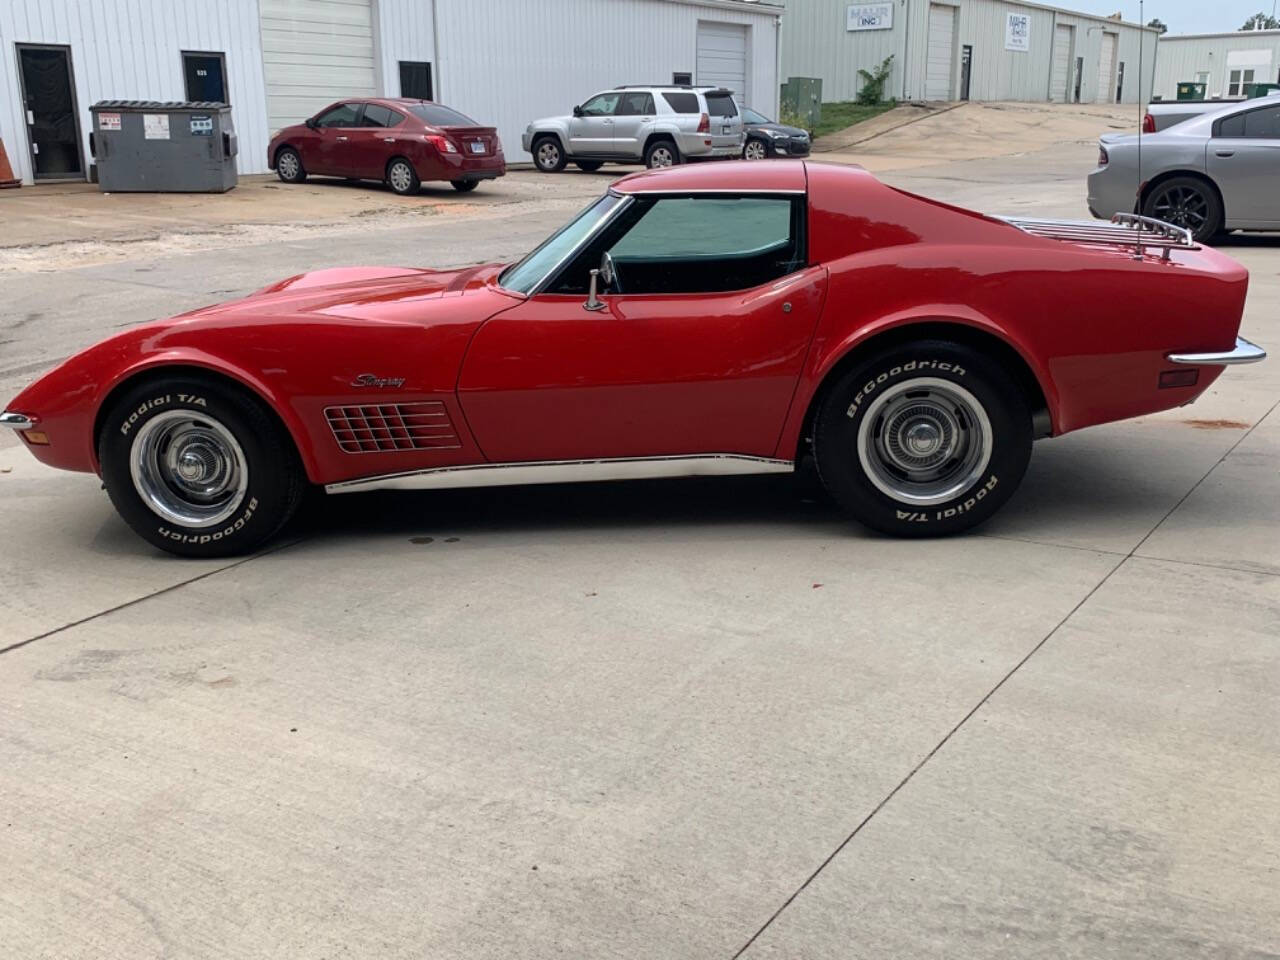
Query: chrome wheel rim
[
  {"x": 925, "y": 441},
  {"x": 401, "y": 176},
  {"x": 288, "y": 166},
  {"x": 188, "y": 468},
  {"x": 755, "y": 150},
  {"x": 1183, "y": 207},
  {"x": 548, "y": 155},
  {"x": 661, "y": 157}
]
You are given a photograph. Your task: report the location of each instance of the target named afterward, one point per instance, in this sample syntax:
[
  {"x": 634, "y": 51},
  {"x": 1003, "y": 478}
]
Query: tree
[
  {"x": 1261, "y": 21},
  {"x": 1160, "y": 25}
]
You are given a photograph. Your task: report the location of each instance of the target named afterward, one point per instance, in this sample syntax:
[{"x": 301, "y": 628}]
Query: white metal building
[
  {"x": 967, "y": 50},
  {"x": 1224, "y": 62},
  {"x": 504, "y": 62}
]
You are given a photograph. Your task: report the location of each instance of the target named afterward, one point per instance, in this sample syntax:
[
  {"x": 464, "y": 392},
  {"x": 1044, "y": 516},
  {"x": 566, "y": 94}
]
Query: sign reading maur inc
[
  {"x": 1017, "y": 32},
  {"x": 869, "y": 16}
]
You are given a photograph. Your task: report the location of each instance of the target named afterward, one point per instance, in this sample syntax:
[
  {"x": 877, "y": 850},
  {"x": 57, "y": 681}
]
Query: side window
[
  {"x": 1263, "y": 124},
  {"x": 602, "y": 105},
  {"x": 343, "y": 115},
  {"x": 379, "y": 116},
  {"x": 721, "y": 106},
  {"x": 682, "y": 102},
  {"x": 701, "y": 244},
  {"x": 635, "y": 105}
]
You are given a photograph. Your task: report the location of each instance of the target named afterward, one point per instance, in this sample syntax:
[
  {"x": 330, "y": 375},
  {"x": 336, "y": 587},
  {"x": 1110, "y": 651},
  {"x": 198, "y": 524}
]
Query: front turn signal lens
[{"x": 37, "y": 438}]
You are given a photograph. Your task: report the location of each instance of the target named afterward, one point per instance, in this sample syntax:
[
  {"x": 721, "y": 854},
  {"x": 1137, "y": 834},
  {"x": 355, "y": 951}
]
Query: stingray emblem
[{"x": 370, "y": 380}]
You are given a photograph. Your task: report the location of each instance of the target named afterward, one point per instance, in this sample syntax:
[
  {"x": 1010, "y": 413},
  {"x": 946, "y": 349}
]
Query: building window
[
  {"x": 206, "y": 77},
  {"x": 415, "y": 80},
  {"x": 1236, "y": 82},
  {"x": 682, "y": 79}
]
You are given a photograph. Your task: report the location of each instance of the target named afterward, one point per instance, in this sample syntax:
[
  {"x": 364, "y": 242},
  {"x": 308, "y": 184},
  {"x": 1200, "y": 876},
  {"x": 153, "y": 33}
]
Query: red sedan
[
  {"x": 400, "y": 142},
  {"x": 712, "y": 319}
]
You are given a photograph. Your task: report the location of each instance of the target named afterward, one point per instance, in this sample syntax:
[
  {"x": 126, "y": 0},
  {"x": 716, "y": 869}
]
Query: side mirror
[
  {"x": 310, "y": 122},
  {"x": 608, "y": 273},
  {"x": 577, "y": 111}
]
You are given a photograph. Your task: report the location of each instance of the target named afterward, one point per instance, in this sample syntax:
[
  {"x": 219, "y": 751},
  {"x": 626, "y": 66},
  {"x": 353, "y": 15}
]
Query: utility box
[
  {"x": 802, "y": 102},
  {"x": 1191, "y": 91},
  {"x": 147, "y": 146}
]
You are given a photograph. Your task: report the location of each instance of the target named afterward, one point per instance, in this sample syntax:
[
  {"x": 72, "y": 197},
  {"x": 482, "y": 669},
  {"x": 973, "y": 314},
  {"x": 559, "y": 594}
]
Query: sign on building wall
[
  {"x": 869, "y": 16},
  {"x": 1017, "y": 32}
]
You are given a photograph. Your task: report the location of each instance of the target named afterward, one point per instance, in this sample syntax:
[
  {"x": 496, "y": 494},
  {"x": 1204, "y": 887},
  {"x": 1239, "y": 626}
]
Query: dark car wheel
[
  {"x": 923, "y": 439},
  {"x": 756, "y": 149},
  {"x": 1186, "y": 202},
  {"x": 197, "y": 468},
  {"x": 547, "y": 155},
  {"x": 289, "y": 166},
  {"x": 465, "y": 186},
  {"x": 661, "y": 153},
  {"x": 588, "y": 166},
  {"x": 401, "y": 177}
]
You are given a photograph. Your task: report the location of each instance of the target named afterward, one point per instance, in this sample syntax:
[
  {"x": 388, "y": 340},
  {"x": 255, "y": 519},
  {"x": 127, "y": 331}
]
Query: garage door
[
  {"x": 942, "y": 45},
  {"x": 315, "y": 52},
  {"x": 722, "y": 57},
  {"x": 1107, "y": 69},
  {"x": 1061, "y": 62}
]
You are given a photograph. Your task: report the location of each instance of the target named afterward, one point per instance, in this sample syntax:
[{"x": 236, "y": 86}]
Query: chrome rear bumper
[
  {"x": 1244, "y": 352},
  {"x": 17, "y": 421}
]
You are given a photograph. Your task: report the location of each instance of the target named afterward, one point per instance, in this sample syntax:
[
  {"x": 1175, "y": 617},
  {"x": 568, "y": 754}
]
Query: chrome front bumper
[
  {"x": 1244, "y": 352},
  {"x": 17, "y": 421}
]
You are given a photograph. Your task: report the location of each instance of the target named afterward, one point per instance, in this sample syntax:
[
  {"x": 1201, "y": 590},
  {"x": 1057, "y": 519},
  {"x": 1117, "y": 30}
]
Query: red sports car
[
  {"x": 401, "y": 142},
  {"x": 724, "y": 319}
]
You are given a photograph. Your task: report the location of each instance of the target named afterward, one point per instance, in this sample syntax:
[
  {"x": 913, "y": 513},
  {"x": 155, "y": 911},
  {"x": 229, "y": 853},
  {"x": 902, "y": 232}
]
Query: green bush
[{"x": 873, "y": 83}]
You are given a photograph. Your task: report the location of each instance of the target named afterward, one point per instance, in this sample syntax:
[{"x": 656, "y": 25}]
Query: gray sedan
[{"x": 1220, "y": 171}]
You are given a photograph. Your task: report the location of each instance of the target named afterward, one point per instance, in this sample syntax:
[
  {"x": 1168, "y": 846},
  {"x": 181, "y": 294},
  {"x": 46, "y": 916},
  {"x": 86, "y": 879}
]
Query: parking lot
[{"x": 702, "y": 718}]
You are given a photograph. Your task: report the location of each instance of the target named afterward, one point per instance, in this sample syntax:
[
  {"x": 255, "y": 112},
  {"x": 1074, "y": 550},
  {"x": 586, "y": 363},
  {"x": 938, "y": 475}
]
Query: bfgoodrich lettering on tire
[
  {"x": 198, "y": 468},
  {"x": 923, "y": 439}
]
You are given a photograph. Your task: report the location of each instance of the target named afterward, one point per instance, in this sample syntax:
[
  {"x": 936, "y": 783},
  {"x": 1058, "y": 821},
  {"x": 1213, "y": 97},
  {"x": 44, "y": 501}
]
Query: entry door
[
  {"x": 1243, "y": 158},
  {"x": 1106, "y": 68},
  {"x": 1061, "y": 64},
  {"x": 634, "y": 114},
  {"x": 940, "y": 67},
  {"x": 206, "y": 77},
  {"x": 592, "y": 133},
  {"x": 53, "y": 129}
]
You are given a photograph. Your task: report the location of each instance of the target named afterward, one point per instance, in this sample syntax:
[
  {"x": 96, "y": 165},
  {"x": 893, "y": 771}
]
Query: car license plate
[
  {"x": 726, "y": 130},
  {"x": 477, "y": 147}
]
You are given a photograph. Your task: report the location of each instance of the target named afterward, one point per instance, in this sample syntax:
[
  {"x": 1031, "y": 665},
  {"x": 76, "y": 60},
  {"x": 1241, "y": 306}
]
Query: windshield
[
  {"x": 529, "y": 272},
  {"x": 752, "y": 117},
  {"x": 439, "y": 116}
]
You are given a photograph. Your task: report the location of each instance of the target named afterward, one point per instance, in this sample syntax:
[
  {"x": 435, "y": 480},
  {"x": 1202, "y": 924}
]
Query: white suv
[{"x": 657, "y": 125}]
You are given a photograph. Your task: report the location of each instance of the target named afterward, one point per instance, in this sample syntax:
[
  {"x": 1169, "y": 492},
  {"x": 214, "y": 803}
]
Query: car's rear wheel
[
  {"x": 289, "y": 166},
  {"x": 465, "y": 186},
  {"x": 756, "y": 149},
  {"x": 661, "y": 153},
  {"x": 547, "y": 155},
  {"x": 401, "y": 177},
  {"x": 588, "y": 166},
  {"x": 923, "y": 439},
  {"x": 1186, "y": 202},
  {"x": 198, "y": 468}
]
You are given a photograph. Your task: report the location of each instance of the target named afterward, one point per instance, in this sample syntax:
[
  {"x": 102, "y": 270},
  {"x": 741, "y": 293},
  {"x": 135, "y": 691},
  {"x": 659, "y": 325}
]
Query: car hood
[{"x": 778, "y": 128}]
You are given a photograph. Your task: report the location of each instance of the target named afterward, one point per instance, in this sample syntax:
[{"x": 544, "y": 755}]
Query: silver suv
[{"x": 657, "y": 125}]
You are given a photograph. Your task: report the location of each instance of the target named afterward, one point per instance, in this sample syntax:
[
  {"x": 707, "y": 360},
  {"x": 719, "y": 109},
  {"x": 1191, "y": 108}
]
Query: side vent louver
[{"x": 390, "y": 427}]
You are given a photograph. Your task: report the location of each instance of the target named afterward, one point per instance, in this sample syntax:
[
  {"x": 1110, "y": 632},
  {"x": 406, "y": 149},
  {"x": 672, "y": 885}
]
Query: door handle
[
  {"x": 388, "y": 139},
  {"x": 339, "y": 138},
  {"x": 1225, "y": 153}
]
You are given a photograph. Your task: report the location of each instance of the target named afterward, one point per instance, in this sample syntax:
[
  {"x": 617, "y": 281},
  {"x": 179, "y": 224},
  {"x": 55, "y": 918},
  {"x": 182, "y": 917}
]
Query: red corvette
[
  {"x": 721, "y": 319},
  {"x": 401, "y": 142}
]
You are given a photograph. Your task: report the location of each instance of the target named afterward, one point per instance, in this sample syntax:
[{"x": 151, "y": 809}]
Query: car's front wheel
[
  {"x": 198, "y": 468},
  {"x": 923, "y": 439},
  {"x": 547, "y": 155},
  {"x": 756, "y": 149},
  {"x": 289, "y": 166},
  {"x": 1186, "y": 202}
]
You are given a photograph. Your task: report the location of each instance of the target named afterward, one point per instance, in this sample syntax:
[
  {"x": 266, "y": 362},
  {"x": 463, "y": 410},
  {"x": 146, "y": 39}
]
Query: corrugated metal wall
[
  {"x": 132, "y": 49},
  {"x": 816, "y": 44},
  {"x": 547, "y": 57},
  {"x": 1183, "y": 58},
  {"x": 405, "y": 33}
]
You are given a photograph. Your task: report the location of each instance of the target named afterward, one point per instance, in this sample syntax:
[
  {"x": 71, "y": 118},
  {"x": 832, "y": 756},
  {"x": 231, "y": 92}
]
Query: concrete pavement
[{"x": 672, "y": 719}]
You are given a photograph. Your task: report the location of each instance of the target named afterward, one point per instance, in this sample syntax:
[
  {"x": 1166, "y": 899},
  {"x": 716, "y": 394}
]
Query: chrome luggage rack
[{"x": 1125, "y": 230}]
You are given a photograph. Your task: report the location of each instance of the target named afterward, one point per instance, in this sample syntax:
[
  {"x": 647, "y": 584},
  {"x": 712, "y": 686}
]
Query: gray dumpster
[{"x": 144, "y": 145}]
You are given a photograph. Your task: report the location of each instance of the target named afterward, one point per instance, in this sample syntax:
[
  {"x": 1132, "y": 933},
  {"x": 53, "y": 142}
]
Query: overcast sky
[{"x": 1182, "y": 16}]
